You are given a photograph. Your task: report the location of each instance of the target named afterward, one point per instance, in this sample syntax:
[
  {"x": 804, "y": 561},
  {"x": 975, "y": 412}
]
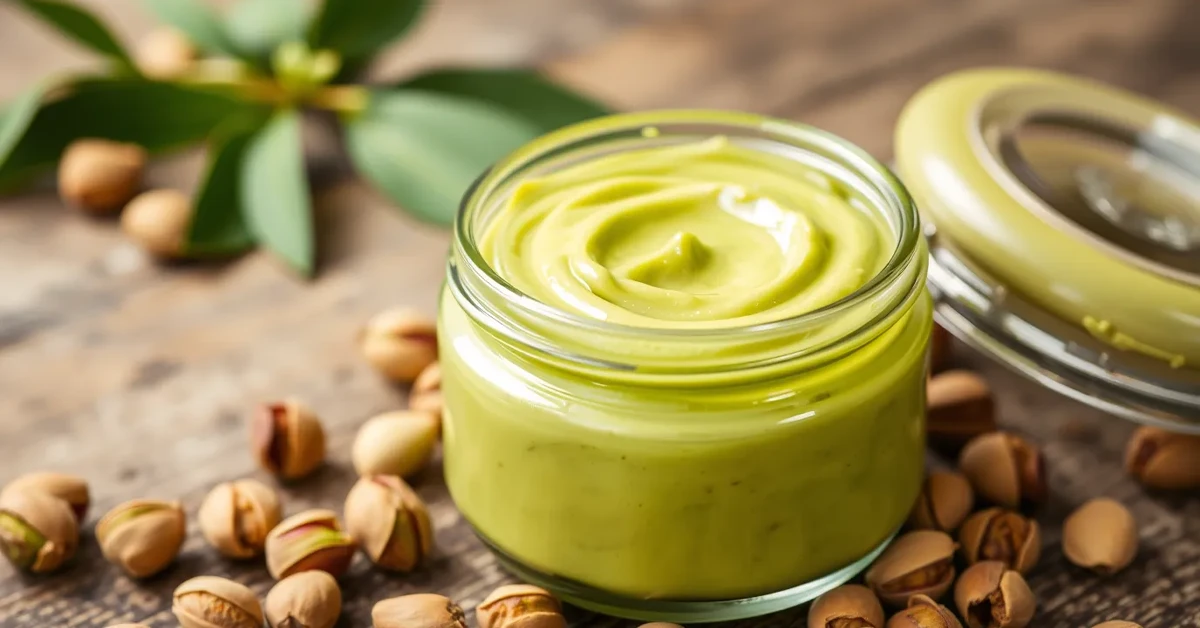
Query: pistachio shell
[
  {"x": 847, "y": 603},
  {"x": 288, "y": 439},
  {"x": 69, "y": 488},
  {"x": 520, "y": 606},
  {"x": 1117, "y": 623},
  {"x": 395, "y": 443},
  {"x": 38, "y": 532},
  {"x": 917, "y": 563},
  {"x": 399, "y": 343},
  {"x": 236, "y": 517},
  {"x": 158, "y": 221},
  {"x": 923, "y": 612},
  {"x": 309, "y": 599},
  {"x": 426, "y": 393},
  {"x": 389, "y": 521},
  {"x": 945, "y": 500},
  {"x": 212, "y": 602},
  {"x": 1003, "y": 535},
  {"x": 959, "y": 407},
  {"x": 165, "y": 53},
  {"x": 98, "y": 175},
  {"x": 1004, "y": 469},
  {"x": 420, "y": 610},
  {"x": 1164, "y": 460},
  {"x": 1100, "y": 535},
  {"x": 989, "y": 595},
  {"x": 312, "y": 539},
  {"x": 142, "y": 536}
]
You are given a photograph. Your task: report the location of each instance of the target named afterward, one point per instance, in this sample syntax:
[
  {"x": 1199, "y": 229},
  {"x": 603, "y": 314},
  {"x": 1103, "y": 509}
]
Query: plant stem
[{"x": 341, "y": 99}]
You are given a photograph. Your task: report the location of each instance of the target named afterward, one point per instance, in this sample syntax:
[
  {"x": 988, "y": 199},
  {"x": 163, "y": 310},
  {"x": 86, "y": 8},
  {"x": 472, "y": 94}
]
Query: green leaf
[
  {"x": 16, "y": 118},
  {"x": 359, "y": 28},
  {"x": 196, "y": 21},
  {"x": 522, "y": 92},
  {"x": 423, "y": 149},
  {"x": 218, "y": 224},
  {"x": 274, "y": 191},
  {"x": 258, "y": 27},
  {"x": 158, "y": 116},
  {"x": 78, "y": 24}
]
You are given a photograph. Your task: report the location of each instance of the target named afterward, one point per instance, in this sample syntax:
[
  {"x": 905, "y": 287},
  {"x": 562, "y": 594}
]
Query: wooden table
[{"x": 140, "y": 377}]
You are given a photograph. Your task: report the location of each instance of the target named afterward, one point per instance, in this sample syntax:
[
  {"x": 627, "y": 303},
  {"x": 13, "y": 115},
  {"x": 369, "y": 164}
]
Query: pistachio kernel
[
  {"x": 142, "y": 536},
  {"x": 38, "y": 532},
  {"x": 1164, "y": 460},
  {"x": 420, "y": 610},
  {"x": 399, "y": 343},
  {"x": 312, "y": 539},
  {"x": 288, "y": 439},
  {"x": 1001, "y": 535},
  {"x": 1100, "y": 535},
  {"x": 69, "y": 488},
  {"x": 395, "y": 443},
  {"x": 212, "y": 602},
  {"x": 520, "y": 606},
  {"x": 990, "y": 595},
  {"x": 917, "y": 563},
  {"x": 309, "y": 599},
  {"x": 923, "y": 612},
  {"x": 236, "y": 516},
  {"x": 99, "y": 176},
  {"x": 390, "y": 521},
  {"x": 945, "y": 501},
  {"x": 959, "y": 407},
  {"x": 847, "y": 606},
  {"x": 1004, "y": 469}
]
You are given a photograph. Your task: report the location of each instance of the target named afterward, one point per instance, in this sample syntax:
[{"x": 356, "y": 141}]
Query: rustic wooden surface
[{"x": 139, "y": 377}]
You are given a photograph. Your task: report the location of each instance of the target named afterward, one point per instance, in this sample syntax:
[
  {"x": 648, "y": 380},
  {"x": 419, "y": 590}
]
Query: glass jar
[{"x": 686, "y": 474}]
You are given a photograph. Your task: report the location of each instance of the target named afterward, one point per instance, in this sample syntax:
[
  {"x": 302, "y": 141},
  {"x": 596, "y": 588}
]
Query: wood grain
[{"x": 140, "y": 377}]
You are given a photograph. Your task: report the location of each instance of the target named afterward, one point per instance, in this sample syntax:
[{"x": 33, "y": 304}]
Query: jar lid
[{"x": 1064, "y": 225}]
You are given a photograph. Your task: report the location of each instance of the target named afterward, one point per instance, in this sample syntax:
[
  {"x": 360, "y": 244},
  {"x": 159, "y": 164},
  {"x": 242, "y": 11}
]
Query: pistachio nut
[
  {"x": 309, "y": 599},
  {"x": 959, "y": 407},
  {"x": 212, "y": 602},
  {"x": 389, "y": 521},
  {"x": 848, "y": 606},
  {"x": 924, "y": 612},
  {"x": 1001, "y": 535},
  {"x": 990, "y": 595},
  {"x": 1100, "y": 535},
  {"x": 38, "y": 532},
  {"x": 288, "y": 439},
  {"x": 426, "y": 393},
  {"x": 142, "y": 536},
  {"x": 939, "y": 348},
  {"x": 158, "y": 221},
  {"x": 1164, "y": 460},
  {"x": 99, "y": 176},
  {"x": 1004, "y": 469},
  {"x": 236, "y": 516},
  {"x": 520, "y": 606},
  {"x": 419, "y": 610},
  {"x": 395, "y": 443},
  {"x": 399, "y": 343},
  {"x": 312, "y": 539},
  {"x": 69, "y": 488},
  {"x": 917, "y": 563},
  {"x": 1117, "y": 623},
  {"x": 946, "y": 499},
  {"x": 164, "y": 54}
]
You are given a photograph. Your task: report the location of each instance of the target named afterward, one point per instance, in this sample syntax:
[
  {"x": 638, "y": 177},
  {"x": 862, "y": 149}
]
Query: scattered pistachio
[
  {"x": 69, "y": 488},
  {"x": 165, "y": 53},
  {"x": 212, "y": 602},
  {"x": 38, "y": 532},
  {"x": 236, "y": 517},
  {"x": 1100, "y": 535},
  {"x": 520, "y": 606},
  {"x": 309, "y": 599},
  {"x": 1001, "y": 535},
  {"x": 1004, "y": 469},
  {"x": 395, "y": 443},
  {"x": 158, "y": 221},
  {"x": 142, "y": 536},
  {"x": 959, "y": 407},
  {"x": 990, "y": 595},
  {"x": 1117, "y": 623},
  {"x": 399, "y": 343},
  {"x": 426, "y": 393},
  {"x": 924, "y": 612},
  {"x": 100, "y": 176},
  {"x": 420, "y": 610},
  {"x": 288, "y": 439},
  {"x": 312, "y": 539},
  {"x": 945, "y": 501},
  {"x": 848, "y": 606},
  {"x": 389, "y": 521},
  {"x": 939, "y": 348},
  {"x": 917, "y": 563},
  {"x": 1164, "y": 460}
]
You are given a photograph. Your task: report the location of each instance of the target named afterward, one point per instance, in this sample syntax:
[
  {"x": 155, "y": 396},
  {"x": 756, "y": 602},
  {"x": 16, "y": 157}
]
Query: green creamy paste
[{"x": 723, "y": 491}]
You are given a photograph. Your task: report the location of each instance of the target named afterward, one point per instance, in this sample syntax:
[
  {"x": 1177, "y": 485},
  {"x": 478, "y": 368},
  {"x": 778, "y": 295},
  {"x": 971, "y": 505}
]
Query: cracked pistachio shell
[
  {"x": 142, "y": 536},
  {"x": 236, "y": 517},
  {"x": 99, "y": 176},
  {"x": 945, "y": 501},
  {"x": 389, "y": 521},
  {"x": 212, "y": 602},
  {"x": 399, "y": 343},
  {"x": 1004, "y": 469},
  {"x": 426, "y": 393},
  {"x": 288, "y": 439},
  {"x": 38, "y": 532},
  {"x": 520, "y": 606},
  {"x": 1164, "y": 460},
  {"x": 848, "y": 606},
  {"x": 923, "y": 612},
  {"x": 1100, "y": 535},
  {"x": 990, "y": 595},
  {"x": 312, "y": 539},
  {"x": 1003, "y": 535},
  {"x": 917, "y": 563},
  {"x": 309, "y": 599},
  {"x": 959, "y": 407},
  {"x": 395, "y": 443},
  {"x": 420, "y": 610},
  {"x": 1117, "y": 623},
  {"x": 69, "y": 488}
]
